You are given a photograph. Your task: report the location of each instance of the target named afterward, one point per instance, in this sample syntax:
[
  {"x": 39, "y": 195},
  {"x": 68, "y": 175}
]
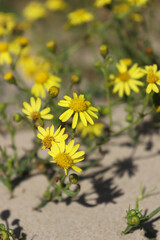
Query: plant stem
[{"x": 105, "y": 73}]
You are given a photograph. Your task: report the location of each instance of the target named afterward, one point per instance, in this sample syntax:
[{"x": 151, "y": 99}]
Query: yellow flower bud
[
  {"x": 51, "y": 46},
  {"x": 53, "y": 91},
  {"x": 8, "y": 77},
  {"x": 75, "y": 78},
  {"x": 103, "y": 50}
]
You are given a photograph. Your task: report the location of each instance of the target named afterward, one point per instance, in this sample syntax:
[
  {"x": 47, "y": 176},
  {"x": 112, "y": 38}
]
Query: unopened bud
[
  {"x": 8, "y": 77},
  {"x": 17, "y": 117},
  {"x": 110, "y": 60},
  {"x": 129, "y": 118},
  {"x": 51, "y": 46},
  {"x": 73, "y": 178},
  {"x": 98, "y": 64},
  {"x": 53, "y": 91},
  {"x": 75, "y": 78},
  {"x": 38, "y": 122},
  {"x": 2, "y": 226},
  {"x": 103, "y": 50},
  {"x": 23, "y": 41}
]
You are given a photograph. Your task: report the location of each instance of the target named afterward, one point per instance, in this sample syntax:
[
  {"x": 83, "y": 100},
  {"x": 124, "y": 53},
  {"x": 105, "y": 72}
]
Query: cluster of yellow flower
[
  {"x": 64, "y": 155},
  {"x": 128, "y": 79}
]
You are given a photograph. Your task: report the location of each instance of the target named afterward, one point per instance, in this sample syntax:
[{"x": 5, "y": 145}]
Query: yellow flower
[
  {"x": 121, "y": 10},
  {"x": 153, "y": 78},
  {"x": 33, "y": 112},
  {"x": 136, "y": 17},
  {"x": 44, "y": 80},
  {"x": 101, "y": 3},
  {"x": 126, "y": 61},
  {"x": 34, "y": 10},
  {"x": 66, "y": 155},
  {"x": 127, "y": 79},
  {"x": 80, "y": 16},
  {"x": 56, "y": 5},
  {"x": 48, "y": 136},
  {"x": 5, "y": 56},
  {"x": 18, "y": 45},
  {"x": 138, "y": 3},
  {"x": 7, "y": 23},
  {"x": 91, "y": 130},
  {"x": 33, "y": 64},
  {"x": 80, "y": 108}
]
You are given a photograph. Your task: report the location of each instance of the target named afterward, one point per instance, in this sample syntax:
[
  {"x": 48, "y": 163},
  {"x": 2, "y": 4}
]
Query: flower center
[
  {"x": 47, "y": 141},
  {"x": 35, "y": 115},
  {"x": 124, "y": 77},
  {"x": 41, "y": 77},
  {"x": 80, "y": 12},
  {"x": 151, "y": 78},
  {"x": 78, "y": 105},
  {"x": 64, "y": 160},
  {"x": 3, "y": 47}
]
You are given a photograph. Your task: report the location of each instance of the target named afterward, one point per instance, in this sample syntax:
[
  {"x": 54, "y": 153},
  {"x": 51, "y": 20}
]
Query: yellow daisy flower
[
  {"x": 138, "y": 3},
  {"x": 80, "y": 16},
  {"x": 31, "y": 65},
  {"x": 56, "y": 5},
  {"x": 80, "y": 108},
  {"x": 5, "y": 56},
  {"x": 91, "y": 130},
  {"x": 121, "y": 10},
  {"x": 33, "y": 112},
  {"x": 127, "y": 79},
  {"x": 153, "y": 78},
  {"x": 44, "y": 80},
  {"x": 34, "y": 10},
  {"x": 101, "y": 3},
  {"x": 7, "y": 23},
  {"x": 66, "y": 155},
  {"x": 48, "y": 136}
]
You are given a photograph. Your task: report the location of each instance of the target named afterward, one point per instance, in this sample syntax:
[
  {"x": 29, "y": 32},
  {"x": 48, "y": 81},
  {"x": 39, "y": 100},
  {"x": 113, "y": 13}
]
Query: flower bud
[
  {"x": 132, "y": 212},
  {"x": 51, "y": 46},
  {"x": 103, "y": 50},
  {"x": 4, "y": 235},
  {"x": 129, "y": 117},
  {"x": 110, "y": 60},
  {"x": 38, "y": 122},
  {"x": 53, "y": 91},
  {"x": 134, "y": 220},
  {"x": 23, "y": 41},
  {"x": 73, "y": 178},
  {"x": 97, "y": 64},
  {"x": 75, "y": 78},
  {"x": 8, "y": 77},
  {"x": 17, "y": 117}
]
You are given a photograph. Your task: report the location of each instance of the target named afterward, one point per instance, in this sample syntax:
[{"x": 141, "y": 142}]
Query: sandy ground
[{"x": 106, "y": 192}]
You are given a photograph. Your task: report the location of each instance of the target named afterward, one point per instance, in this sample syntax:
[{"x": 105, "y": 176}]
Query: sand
[{"x": 98, "y": 212}]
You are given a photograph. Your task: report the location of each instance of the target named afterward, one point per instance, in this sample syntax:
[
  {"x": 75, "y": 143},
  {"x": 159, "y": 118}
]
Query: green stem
[{"x": 105, "y": 73}]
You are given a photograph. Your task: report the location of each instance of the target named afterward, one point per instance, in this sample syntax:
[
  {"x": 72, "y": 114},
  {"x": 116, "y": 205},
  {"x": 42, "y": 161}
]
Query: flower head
[
  {"x": 7, "y": 23},
  {"x": 80, "y": 108},
  {"x": 101, "y": 3},
  {"x": 56, "y": 5},
  {"x": 80, "y": 16},
  {"x": 66, "y": 155},
  {"x": 127, "y": 79},
  {"x": 91, "y": 130},
  {"x": 44, "y": 80},
  {"x": 34, "y": 10},
  {"x": 5, "y": 56},
  {"x": 48, "y": 136},
  {"x": 33, "y": 112},
  {"x": 153, "y": 78}
]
